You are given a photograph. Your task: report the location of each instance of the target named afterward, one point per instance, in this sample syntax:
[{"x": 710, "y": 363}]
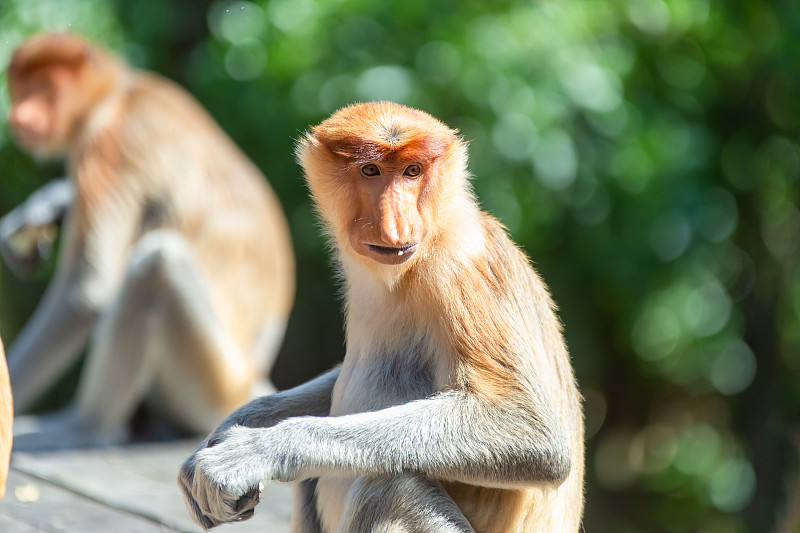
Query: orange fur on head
[
  {"x": 384, "y": 130},
  {"x": 48, "y": 49}
]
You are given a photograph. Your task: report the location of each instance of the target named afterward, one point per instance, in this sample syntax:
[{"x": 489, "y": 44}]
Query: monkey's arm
[
  {"x": 51, "y": 340},
  {"x": 312, "y": 398},
  {"x": 27, "y": 232},
  {"x": 90, "y": 269},
  {"x": 452, "y": 436}
]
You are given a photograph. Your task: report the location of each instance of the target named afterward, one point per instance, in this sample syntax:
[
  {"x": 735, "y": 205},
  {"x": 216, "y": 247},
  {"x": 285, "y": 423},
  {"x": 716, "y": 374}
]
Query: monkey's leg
[
  {"x": 400, "y": 504},
  {"x": 304, "y": 507},
  {"x": 162, "y": 335}
]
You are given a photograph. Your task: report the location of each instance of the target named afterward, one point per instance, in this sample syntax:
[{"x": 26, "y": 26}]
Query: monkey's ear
[{"x": 304, "y": 146}]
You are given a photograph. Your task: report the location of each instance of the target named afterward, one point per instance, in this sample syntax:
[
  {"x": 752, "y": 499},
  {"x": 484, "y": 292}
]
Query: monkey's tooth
[{"x": 400, "y": 252}]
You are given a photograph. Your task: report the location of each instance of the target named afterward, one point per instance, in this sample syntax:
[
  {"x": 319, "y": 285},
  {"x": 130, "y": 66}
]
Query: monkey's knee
[
  {"x": 158, "y": 255},
  {"x": 401, "y": 504}
]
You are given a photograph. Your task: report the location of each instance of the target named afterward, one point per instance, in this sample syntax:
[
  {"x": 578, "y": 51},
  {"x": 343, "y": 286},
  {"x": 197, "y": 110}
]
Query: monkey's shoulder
[{"x": 163, "y": 109}]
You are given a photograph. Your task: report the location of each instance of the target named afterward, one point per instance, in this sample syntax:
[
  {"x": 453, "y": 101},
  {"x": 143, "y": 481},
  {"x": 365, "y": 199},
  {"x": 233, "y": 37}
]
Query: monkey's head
[
  {"x": 54, "y": 81},
  {"x": 383, "y": 177}
]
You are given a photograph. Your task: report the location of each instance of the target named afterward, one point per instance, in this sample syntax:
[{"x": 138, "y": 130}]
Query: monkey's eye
[
  {"x": 371, "y": 170},
  {"x": 413, "y": 171}
]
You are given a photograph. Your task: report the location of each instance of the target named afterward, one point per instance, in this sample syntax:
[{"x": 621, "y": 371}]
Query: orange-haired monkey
[
  {"x": 176, "y": 256},
  {"x": 6, "y": 417},
  {"x": 455, "y": 408}
]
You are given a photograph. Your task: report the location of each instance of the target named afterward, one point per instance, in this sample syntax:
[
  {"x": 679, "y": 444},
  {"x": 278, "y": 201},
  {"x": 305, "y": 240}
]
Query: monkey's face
[
  {"x": 388, "y": 226},
  {"x": 382, "y": 176},
  {"x": 41, "y": 116}
]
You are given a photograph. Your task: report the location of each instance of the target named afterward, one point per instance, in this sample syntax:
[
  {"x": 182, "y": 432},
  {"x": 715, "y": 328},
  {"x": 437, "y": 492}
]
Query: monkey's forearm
[
  {"x": 453, "y": 436},
  {"x": 312, "y": 398}
]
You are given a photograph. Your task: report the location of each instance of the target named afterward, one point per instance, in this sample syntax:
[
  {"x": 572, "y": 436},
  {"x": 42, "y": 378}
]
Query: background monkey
[
  {"x": 455, "y": 408},
  {"x": 175, "y": 254}
]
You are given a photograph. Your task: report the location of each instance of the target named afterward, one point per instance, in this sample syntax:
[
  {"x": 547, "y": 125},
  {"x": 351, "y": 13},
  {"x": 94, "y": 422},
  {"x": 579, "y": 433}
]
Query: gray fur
[
  {"x": 304, "y": 515},
  {"x": 401, "y": 504},
  {"x": 450, "y": 436}
]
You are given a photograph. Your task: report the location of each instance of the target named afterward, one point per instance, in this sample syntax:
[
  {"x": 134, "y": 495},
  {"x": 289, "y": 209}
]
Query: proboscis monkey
[
  {"x": 175, "y": 256},
  {"x": 6, "y": 417},
  {"x": 456, "y": 407}
]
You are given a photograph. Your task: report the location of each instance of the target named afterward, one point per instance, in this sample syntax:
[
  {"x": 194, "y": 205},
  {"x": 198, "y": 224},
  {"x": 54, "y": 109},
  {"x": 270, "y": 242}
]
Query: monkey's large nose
[
  {"x": 395, "y": 226},
  {"x": 395, "y": 230},
  {"x": 26, "y": 119}
]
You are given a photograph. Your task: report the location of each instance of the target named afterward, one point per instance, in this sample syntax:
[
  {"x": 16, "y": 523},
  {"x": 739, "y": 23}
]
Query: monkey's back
[
  {"x": 541, "y": 509},
  {"x": 191, "y": 178}
]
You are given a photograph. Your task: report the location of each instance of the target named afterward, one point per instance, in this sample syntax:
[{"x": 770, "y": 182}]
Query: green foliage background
[{"x": 645, "y": 153}]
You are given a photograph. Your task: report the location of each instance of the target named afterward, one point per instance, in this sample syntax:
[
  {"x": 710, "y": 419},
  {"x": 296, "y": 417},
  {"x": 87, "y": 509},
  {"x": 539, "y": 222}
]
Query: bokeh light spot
[
  {"x": 237, "y": 22},
  {"x": 555, "y": 160},
  {"x": 438, "y": 61},
  {"x": 732, "y": 485},
  {"x": 591, "y": 86},
  {"x": 613, "y": 459},
  {"x": 514, "y": 136},
  {"x": 650, "y": 16},
  {"x": 670, "y": 235},
  {"x": 733, "y": 368},
  {"x": 707, "y": 309},
  {"x": 656, "y": 333},
  {"x": 246, "y": 61},
  {"x": 387, "y": 82}
]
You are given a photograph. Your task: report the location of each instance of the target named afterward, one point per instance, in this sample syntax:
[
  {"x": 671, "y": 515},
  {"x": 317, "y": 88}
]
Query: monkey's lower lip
[{"x": 404, "y": 250}]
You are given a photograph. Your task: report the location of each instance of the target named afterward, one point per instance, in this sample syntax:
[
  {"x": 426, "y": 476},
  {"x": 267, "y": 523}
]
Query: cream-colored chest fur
[{"x": 376, "y": 375}]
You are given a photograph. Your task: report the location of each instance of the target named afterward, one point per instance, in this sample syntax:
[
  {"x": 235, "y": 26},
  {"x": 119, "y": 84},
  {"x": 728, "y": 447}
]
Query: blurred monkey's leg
[{"x": 162, "y": 332}]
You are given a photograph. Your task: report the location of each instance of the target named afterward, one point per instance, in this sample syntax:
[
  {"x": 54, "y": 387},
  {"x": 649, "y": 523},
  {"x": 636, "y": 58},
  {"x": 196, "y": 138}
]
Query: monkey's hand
[
  {"x": 28, "y": 232},
  {"x": 220, "y": 482},
  {"x": 209, "y": 504}
]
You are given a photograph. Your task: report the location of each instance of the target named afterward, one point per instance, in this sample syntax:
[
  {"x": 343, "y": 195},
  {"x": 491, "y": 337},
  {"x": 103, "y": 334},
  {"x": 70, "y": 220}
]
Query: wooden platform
[{"x": 129, "y": 489}]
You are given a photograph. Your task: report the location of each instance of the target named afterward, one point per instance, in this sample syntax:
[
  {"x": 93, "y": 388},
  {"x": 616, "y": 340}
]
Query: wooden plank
[
  {"x": 56, "y": 510},
  {"x": 140, "y": 480}
]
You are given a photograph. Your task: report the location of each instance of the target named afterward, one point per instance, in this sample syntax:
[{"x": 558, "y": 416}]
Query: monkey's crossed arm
[
  {"x": 452, "y": 436},
  {"x": 309, "y": 399}
]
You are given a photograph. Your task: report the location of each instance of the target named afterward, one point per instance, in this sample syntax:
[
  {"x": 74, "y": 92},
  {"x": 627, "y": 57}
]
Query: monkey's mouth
[{"x": 404, "y": 250}]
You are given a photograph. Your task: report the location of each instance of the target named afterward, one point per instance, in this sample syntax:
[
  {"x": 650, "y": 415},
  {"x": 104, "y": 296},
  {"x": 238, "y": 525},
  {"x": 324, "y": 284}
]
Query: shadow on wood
[{"x": 126, "y": 489}]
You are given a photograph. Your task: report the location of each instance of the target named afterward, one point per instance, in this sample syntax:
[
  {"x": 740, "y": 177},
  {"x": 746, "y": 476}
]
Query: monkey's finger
[
  {"x": 184, "y": 483},
  {"x": 206, "y": 496},
  {"x": 245, "y": 506},
  {"x": 247, "y": 515},
  {"x": 248, "y": 499}
]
